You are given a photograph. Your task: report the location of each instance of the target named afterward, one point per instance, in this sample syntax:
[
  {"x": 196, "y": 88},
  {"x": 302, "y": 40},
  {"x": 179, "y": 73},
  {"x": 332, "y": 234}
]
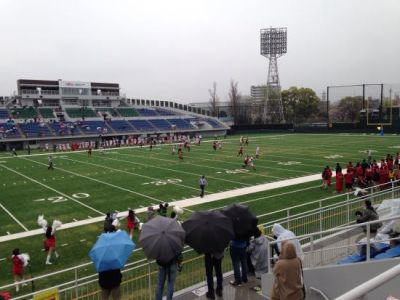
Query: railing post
[
  {"x": 348, "y": 207},
  {"x": 320, "y": 219},
  {"x": 368, "y": 252},
  {"x": 288, "y": 218},
  {"x": 269, "y": 256},
  {"x": 150, "y": 289},
  {"x": 392, "y": 189},
  {"x": 76, "y": 283}
]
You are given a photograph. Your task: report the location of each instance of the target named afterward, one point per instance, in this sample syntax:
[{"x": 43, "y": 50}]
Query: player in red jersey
[
  {"x": 133, "y": 222},
  {"x": 240, "y": 152},
  {"x": 348, "y": 179},
  {"x": 339, "y": 182}
]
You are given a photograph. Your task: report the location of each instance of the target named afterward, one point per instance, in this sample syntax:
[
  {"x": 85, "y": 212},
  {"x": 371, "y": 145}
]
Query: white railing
[{"x": 140, "y": 276}]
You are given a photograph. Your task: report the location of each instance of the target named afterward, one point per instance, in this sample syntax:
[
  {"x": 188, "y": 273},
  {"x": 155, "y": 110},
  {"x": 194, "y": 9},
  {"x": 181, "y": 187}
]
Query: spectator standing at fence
[
  {"x": 18, "y": 261},
  {"x": 288, "y": 282},
  {"x": 167, "y": 272},
  {"x": 133, "y": 222},
  {"x": 283, "y": 234},
  {"x": 110, "y": 282},
  {"x": 368, "y": 214},
  {"x": 237, "y": 250},
  {"x": 202, "y": 183},
  {"x": 258, "y": 249},
  {"x": 213, "y": 261}
]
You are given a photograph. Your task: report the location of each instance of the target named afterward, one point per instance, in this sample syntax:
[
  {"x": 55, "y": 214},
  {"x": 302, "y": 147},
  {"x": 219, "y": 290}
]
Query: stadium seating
[
  {"x": 4, "y": 114},
  {"x": 24, "y": 113},
  {"x": 161, "y": 124},
  {"x": 127, "y": 112},
  {"x": 35, "y": 129},
  {"x": 110, "y": 110},
  {"x": 121, "y": 126},
  {"x": 66, "y": 128},
  {"x": 142, "y": 125},
  {"x": 376, "y": 251},
  {"x": 81, "y": 112},
  {"x": 9, "y": 130},
  {"x": 165, "y": 112},
  {"x": 390, "y": 253},
  {"x": 92, "y": 127},
  {"x": 46, "y": 113},
  {"x": 180, "y": 123},
  {"x": 214, "y": 123},
  {"x": 146, "y": 112}
]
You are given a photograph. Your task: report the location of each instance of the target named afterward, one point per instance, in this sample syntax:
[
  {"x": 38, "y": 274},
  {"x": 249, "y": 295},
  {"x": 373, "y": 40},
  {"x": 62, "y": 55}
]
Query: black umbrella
[
  {"x": 162, "y": 239},
  {"x": 244, "y": 221},
  {"x": 208, "y": 231}
]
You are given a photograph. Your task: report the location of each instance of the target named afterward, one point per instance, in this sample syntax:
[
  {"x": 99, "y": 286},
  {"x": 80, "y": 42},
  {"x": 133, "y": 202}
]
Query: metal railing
[{"x": 312, "y": 222}]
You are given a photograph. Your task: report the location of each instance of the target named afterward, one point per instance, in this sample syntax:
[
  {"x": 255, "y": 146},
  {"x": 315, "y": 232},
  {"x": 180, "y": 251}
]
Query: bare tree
[
  {"x": 214, "y": 100},
  {"x": 234, "y": 99}
]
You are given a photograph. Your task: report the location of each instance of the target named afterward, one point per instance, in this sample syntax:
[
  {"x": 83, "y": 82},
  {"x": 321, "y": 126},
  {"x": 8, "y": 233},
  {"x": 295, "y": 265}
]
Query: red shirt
[
  {"x": 348, "y": 178},
  {"x": 18, "y": 265}
]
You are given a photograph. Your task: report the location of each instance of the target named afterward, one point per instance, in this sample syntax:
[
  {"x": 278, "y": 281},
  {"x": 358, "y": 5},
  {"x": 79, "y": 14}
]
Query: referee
[{"x": 202, "y": 183}]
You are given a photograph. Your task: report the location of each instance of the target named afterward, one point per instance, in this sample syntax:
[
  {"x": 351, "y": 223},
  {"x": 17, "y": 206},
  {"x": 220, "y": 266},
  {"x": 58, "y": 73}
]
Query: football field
[{"x": 83, "y": 188}]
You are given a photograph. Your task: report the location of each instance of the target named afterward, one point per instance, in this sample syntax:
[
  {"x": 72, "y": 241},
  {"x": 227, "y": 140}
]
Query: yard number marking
[
  {"x": 58, "y": 199},
  {"x": 333, "y": 156},
  {"x": 163, "y": 182}
]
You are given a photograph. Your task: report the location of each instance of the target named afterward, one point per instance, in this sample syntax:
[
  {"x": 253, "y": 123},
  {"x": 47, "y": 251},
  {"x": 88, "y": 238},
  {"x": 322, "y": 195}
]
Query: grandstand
[{"x": 59, "y": 109}]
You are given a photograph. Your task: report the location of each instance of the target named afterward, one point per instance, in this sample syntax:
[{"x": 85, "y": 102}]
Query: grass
[{"x": 136, "y": 177}]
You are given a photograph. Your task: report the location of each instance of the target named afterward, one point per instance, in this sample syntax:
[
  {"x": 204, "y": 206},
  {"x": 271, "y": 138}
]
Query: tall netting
[
  {"x": 345, "y": 103},
  {"x": 365, "y": 103}
]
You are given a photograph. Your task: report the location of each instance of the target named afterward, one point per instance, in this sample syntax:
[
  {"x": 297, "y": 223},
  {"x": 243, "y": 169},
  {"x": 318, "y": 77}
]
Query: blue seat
[
  {"x": 214, "y": 123},
  {"x": 92, "y": 127},
  {"x": 121, "y": 126},
  {"x": 180, "y": 123},
  {"x": 375, "y": 251},
  {"x": 390, "y": 253},
  {"x": 166, "y": 112},
  {"x": 161, "y": 124},
  {"x": 4, "y": 114},
  {"x": 142, "y": 125},
  {"x": 35, "y": 129}
]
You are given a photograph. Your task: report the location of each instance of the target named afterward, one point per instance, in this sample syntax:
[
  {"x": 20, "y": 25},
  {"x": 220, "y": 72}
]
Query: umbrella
[
  {"x": 162, "y": 239},
  {"x": 111, "y": 251},
  {"x": 208, "y": 231},
  {"x": 244, "y": 221}
]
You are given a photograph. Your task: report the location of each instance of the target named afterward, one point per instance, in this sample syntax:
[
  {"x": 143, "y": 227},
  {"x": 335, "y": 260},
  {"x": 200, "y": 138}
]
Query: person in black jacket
[{"x": 110, "y": 282}]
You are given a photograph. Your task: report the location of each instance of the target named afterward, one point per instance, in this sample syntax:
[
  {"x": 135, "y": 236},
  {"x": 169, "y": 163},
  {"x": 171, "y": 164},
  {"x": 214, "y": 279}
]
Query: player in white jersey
[{"x": 257, "y": 152}]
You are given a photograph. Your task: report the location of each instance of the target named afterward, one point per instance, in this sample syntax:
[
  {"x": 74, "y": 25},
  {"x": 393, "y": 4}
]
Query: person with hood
[
  {"x": 368, "y": 214},
  {"x": 283, "y": 234},
  {"x": 258, "y": 250},
  {"x": 288, "y": 284}
]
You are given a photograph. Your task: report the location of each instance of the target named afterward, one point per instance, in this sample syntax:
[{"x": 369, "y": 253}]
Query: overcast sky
[{"x": 175, "y": 49}]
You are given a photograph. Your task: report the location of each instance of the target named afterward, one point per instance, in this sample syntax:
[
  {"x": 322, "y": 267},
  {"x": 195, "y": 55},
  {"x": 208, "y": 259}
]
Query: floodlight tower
[{"x": 273, "y": 45}]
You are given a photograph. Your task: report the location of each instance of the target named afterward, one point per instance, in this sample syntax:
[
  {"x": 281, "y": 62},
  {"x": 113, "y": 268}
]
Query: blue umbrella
[{"x": 111, "y": 251}]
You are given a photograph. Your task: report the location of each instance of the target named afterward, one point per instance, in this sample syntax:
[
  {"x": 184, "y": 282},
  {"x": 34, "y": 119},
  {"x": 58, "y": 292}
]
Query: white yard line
[
  {"x": 127, "y": 172},
  {"x": 13, "y": 217},
  {"x": 182, "y": 203},
  {"x": 54, "y": 190},
  {"x": 100, "y": 181},
  {"x": 173, "y": 170}
]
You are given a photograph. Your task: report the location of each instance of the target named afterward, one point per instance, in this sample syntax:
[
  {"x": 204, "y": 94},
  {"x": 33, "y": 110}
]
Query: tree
[
  {"x": 214, "y": 100},
  {"x": 234, "y": 99},
  {"x": 348, "y": 109},
  {"x": 299, "y": 104}
]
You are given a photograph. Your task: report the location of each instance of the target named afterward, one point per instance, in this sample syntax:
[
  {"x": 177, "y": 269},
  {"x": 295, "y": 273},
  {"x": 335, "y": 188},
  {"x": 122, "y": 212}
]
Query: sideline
[{"x": 181, "y": 203}]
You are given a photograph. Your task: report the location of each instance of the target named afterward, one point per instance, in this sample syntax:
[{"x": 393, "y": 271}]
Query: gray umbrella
[{"x": 162, "y": 239}]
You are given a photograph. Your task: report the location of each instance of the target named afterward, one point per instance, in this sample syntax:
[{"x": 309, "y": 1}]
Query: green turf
[{"x": 136, "y": 177}]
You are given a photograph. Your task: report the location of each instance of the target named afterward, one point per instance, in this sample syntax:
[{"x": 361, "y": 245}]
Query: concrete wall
[{"x": 337, "y": 279}]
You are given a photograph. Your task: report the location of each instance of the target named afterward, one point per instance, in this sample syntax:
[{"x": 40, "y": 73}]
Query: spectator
[
  {"x": 150, "y": 213},
  {"x": 213, "y": 261},
  {"x": 238, "y": 255},
  {"x": 162, "y": 210},
  {"x": 110, "y": 282},
  {"x": 283, "y": 234},
  {"x": 167, "y": 271},
  {"x": 366, "y": 215},
  {"x": 258, "y": 250},
  {"x": 288, "y": 275}
]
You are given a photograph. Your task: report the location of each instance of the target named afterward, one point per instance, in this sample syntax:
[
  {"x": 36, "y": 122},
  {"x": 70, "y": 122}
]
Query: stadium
[{"x": 204, "y": 183}]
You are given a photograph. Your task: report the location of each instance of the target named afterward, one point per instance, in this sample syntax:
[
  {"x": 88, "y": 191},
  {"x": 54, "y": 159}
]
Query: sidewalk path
[{"x": 181, "y": 203}]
